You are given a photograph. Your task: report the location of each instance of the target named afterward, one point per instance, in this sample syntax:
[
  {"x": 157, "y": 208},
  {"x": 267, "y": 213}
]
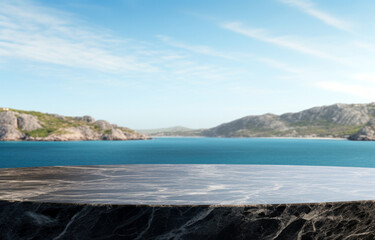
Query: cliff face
[
  {"x": 367, "y": 133},
  {"x": 17, "y": 125},
  {"x": 353, "y": 121}
]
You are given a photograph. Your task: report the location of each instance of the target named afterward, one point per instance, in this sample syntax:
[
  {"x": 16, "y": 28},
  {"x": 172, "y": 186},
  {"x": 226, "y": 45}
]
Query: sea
[{"x": 259, "y": 151}]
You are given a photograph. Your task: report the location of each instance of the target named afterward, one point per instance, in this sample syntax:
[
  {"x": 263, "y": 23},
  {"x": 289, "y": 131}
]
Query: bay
[{"x": 312, "y": 152}]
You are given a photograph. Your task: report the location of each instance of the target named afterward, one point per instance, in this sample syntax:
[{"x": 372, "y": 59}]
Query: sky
[{"x": 150, "y": 64}]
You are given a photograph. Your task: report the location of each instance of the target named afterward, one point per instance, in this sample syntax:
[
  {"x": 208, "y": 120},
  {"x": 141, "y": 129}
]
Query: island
[{"x": 19, "y": 125}]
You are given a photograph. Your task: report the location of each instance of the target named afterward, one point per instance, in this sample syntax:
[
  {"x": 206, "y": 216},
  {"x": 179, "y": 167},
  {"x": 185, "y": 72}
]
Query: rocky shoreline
[
  {"x": 349, "y": 121},
  {"x": 16, "y": 125}
]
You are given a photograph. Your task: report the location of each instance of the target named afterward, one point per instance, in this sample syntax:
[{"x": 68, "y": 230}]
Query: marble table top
[{"x": 187, "y": 184}]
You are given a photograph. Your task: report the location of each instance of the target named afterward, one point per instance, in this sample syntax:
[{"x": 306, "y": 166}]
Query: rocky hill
[
  {"x": 353, "y": 121},
  {"x": 18, "y": 125}
]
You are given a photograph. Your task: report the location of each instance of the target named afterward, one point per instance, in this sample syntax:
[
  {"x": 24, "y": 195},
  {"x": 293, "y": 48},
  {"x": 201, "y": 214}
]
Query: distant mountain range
[
  {"x": 19, "y": 125},
  {"x": 171, "y": 131},
  {"x": 352, "y": 121}
]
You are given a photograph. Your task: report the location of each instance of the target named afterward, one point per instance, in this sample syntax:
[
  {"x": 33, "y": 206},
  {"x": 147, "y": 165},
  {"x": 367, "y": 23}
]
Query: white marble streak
[{"x": 187, "y": 184}]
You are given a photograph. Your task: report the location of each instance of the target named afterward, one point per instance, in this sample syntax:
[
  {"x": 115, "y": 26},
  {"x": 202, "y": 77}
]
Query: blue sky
[{"x": 149, "y": 64}]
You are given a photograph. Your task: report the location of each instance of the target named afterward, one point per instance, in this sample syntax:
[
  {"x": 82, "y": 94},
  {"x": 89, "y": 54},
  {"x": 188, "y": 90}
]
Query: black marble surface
[{"x": 340, "y": 220}]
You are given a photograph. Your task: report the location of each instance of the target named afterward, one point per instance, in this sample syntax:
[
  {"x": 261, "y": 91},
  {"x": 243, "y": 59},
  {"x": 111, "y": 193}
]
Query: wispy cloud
[
  {"x": 279, "y": 65},
  {"x": 286, "y": 42},
  {"x": 364, "y": 92},
  {"x": 196, "y": 48},
  {"x": 40, "y": 34},
  {"x": 44, "y": 38},
  {"x": 232, "y": 56},
  {"x": 309, "y": 8}
]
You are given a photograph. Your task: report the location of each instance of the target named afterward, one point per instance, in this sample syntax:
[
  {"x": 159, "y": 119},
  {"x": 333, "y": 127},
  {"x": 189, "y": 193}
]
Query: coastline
[{"x": 307, "y": 138}]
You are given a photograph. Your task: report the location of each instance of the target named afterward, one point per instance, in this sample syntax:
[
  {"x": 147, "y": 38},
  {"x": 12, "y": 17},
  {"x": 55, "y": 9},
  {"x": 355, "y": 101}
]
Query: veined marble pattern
[
  {"x": 318, "y": 221},
  {"x": 187, "y": 184}
]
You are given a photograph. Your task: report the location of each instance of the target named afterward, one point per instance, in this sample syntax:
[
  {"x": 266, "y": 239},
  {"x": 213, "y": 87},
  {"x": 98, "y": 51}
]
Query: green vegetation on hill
[
  {"x": 339, "y": 131},
  {"x": 353, "y": 121},
  {"x": 31, "y": 125},
  {"x": 337, "y": 120},
  {"x": 53, "y": 124},
  {"x": 43, "y": 132},
  {"x": 108, "y": 131}
]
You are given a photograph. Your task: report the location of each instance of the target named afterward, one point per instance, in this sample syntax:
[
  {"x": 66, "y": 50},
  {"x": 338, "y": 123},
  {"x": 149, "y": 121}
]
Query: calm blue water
[{"x": 190, "y": 151}]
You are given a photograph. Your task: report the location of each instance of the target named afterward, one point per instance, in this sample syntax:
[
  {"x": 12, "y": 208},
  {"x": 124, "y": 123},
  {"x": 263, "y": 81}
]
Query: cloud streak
[
  {"x": 309, "y": 8},
  {"x": 232, "y": 56},
  {"x": 261, "y": 35},
  {"x": 40, "y": 36},
  {"x": 200, "y": 49},
  {"x": 45, "y": 38}
]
